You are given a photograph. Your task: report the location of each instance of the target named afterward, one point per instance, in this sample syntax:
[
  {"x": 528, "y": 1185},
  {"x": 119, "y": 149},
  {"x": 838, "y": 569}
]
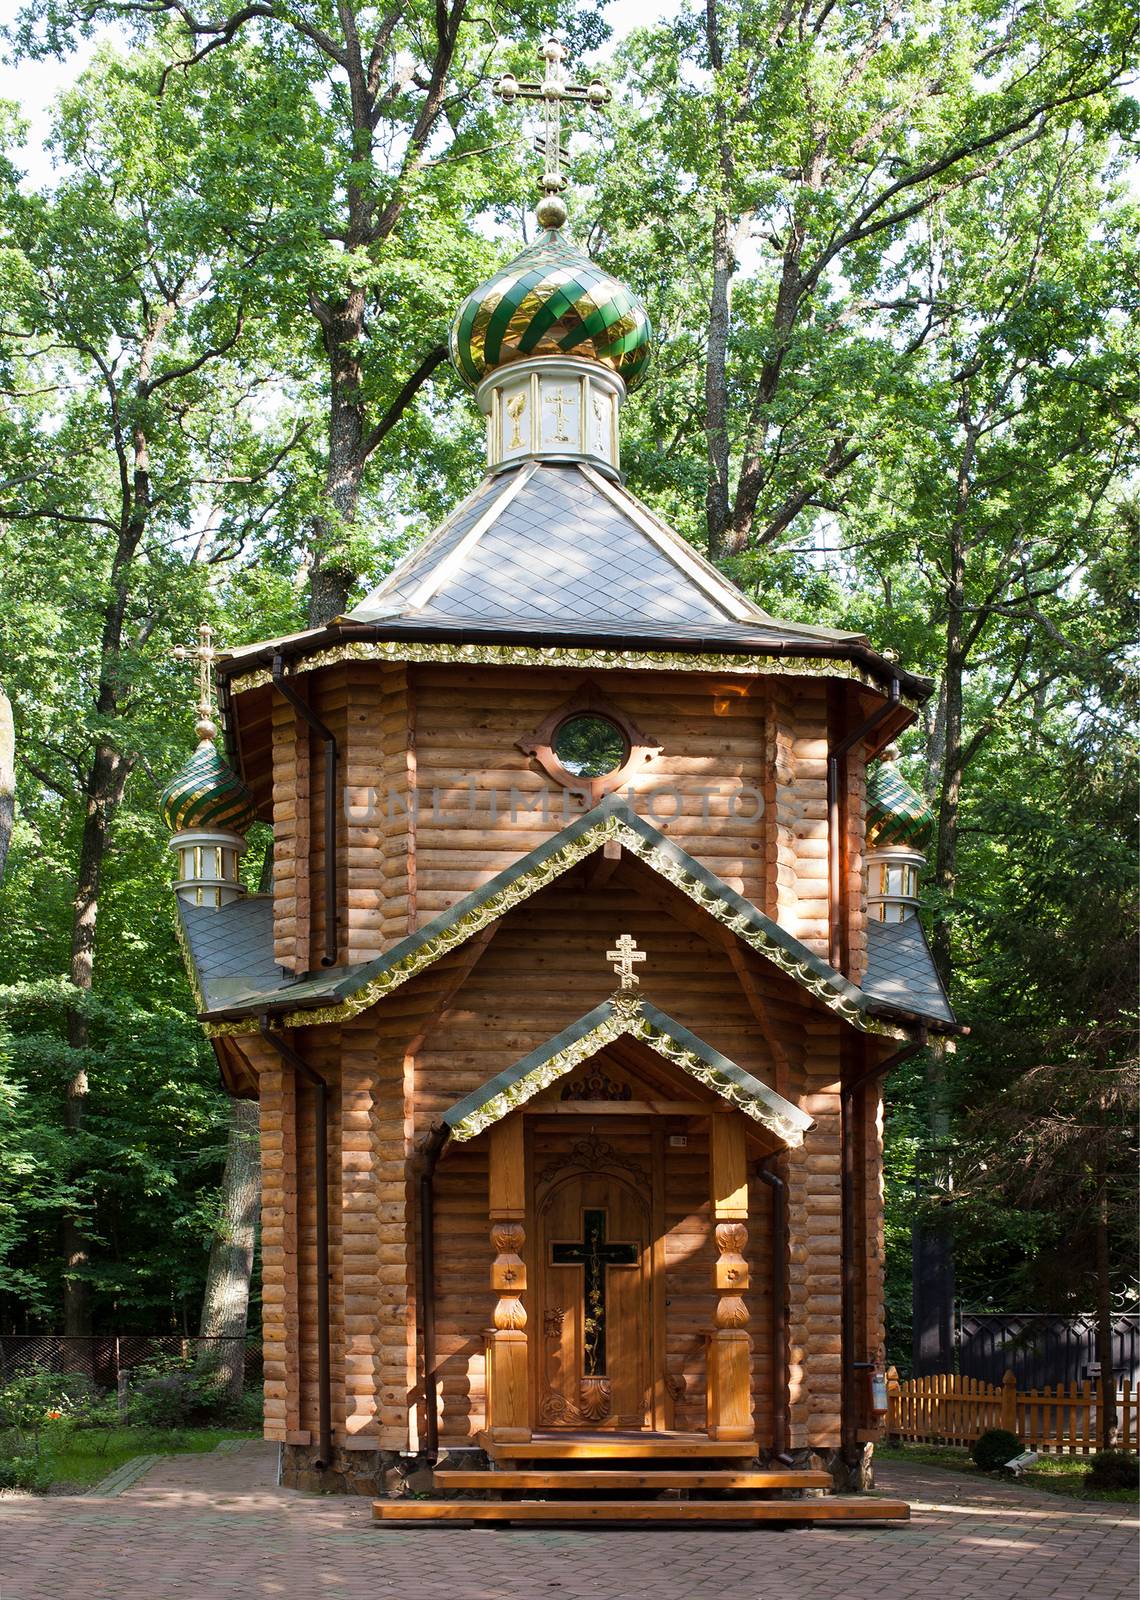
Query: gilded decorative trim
[
  {"x": 550, "y": 1070},
  {"x": 609, "y": 826},
  {"x": 455, "y": 934},
  {"x": 591, "y": 659},
  {"x": 191, "y": 968},
  {"x": 628, "y": 1019}
]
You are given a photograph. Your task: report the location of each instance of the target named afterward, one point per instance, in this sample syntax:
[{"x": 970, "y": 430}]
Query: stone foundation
[
  {"x": 376, "y": 1473},
  {"x": 388, "y": 1474}
]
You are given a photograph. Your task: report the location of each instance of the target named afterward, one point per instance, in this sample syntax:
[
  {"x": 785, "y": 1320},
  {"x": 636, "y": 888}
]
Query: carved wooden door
[{"x": 593, "y": 1371}]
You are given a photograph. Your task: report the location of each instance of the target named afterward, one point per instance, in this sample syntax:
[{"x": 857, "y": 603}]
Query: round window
[{"x": 590, "y": 746}]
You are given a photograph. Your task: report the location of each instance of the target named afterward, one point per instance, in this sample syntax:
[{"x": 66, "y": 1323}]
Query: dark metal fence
[
  {"x": 1040, "y": 1349},
  {"x": 102, "y": 1357}
]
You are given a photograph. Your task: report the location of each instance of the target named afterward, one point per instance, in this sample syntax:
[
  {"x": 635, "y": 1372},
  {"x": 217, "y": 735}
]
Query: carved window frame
[{"x": 588, "y": 700}]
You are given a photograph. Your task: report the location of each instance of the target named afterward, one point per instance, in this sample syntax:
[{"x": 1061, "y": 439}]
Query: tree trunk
[
  {"x": 723, "y": 263},
  {"x": 225, "y": 1302},
  {"x": 104, "y": 792},
  {"x": 7, "y": 779},
  {"x": 334, "y": 571},
  {"x": 950, "y": 701},
  {"x": 716, "y": 387},
  {"x": 1107, "y": 1421}
]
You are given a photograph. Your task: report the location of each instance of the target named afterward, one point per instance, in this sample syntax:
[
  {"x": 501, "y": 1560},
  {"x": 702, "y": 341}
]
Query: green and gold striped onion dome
[
  {"x": 206, "y": 794},
  {"x": 551, "y": 300},
  {"x": 896, "y": 813}
]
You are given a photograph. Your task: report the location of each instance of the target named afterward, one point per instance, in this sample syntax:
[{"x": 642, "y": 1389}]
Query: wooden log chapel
[{"x": 589, "y": 945}]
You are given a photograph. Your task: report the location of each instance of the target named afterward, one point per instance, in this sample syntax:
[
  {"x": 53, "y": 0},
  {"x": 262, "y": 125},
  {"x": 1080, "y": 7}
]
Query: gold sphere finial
[
  {"x": 551, "y": 212},
  {"x": 206, "y": 728}
]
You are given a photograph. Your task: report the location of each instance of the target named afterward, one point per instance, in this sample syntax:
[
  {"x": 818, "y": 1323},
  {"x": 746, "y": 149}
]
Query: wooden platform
[
  {"x": 655, "y": 1478},
  {"x": 832, "y": 1508},
  {"x": 620, "y": 1447}
]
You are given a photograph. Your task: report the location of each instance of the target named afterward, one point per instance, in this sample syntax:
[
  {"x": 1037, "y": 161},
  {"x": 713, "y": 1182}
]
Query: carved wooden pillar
[
  {"x": 730, "y": 1346},
  {"x": 508, "y": 1379}
]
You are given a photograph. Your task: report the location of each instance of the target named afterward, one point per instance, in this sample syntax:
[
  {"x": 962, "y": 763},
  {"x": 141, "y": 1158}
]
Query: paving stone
[{"x": 216, "y": 1527}]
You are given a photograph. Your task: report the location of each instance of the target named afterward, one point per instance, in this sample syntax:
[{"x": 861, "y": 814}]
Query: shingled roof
[
  {"x": 346, "y": 991},
  {"x": 901, "y": 971},
  {"x": 554, "y": 547}
]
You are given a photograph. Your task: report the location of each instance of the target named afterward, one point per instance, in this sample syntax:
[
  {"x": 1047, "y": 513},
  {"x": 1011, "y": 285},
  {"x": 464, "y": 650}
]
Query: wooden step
[
  {"x": 573, "y": 1478},
  {"x": 620, "y": 1447},
  {"x": 832, "y": 1508}
]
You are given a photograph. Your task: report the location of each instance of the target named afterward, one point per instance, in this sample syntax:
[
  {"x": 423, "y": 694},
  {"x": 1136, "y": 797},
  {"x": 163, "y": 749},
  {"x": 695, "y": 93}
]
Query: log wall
[
  {"x": 420, "y": 746},
  {"x": 437, "y": 798},
  {"x": 797, "y": 746},
  {"x": 472, "y": 776}
]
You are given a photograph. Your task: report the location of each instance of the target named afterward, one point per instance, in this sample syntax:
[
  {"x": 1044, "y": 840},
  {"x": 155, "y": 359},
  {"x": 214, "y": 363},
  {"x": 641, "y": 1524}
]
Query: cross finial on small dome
[
  {"x": 554, "y": 91},
  {"x": 205, "y": 655}
]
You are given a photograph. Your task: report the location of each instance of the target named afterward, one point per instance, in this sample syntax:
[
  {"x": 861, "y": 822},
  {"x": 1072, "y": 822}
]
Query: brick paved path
[{"x": 216, "y": 1528}]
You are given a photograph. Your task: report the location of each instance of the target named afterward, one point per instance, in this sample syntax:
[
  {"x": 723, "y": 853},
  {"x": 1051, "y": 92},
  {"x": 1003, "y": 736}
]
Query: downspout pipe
[
  {"x": 857, "y": 1360},
  {"x": 433, "y": 1149},
  {"x": 321, "y": 1196},
  {"x": 836, "y": 755},
  {"x": 779, "y": 1311},
  {"x": 287, "y": 692}
]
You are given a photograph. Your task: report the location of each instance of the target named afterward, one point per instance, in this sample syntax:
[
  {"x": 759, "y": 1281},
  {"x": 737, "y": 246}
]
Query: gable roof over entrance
[
  {"x": 346, "y": 991},
  {"x": 624, "y": 1014}
]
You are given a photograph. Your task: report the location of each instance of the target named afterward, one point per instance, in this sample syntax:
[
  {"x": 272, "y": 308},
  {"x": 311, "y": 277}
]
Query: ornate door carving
[{"x": 593, "y": 1251}]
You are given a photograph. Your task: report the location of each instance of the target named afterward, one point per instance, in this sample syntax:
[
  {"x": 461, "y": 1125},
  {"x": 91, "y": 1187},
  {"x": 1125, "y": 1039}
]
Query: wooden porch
[
  {"x": 566, "y": 1489},
  {"x": 550, "y": 1393}
]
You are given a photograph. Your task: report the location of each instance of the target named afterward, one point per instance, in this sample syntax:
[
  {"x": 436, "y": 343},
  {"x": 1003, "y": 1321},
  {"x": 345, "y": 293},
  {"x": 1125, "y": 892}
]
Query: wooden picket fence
[{"x": 947, "y": 1409}]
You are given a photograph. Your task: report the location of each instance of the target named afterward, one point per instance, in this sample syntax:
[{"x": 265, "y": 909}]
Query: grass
[
  {"x": 1063, "y": 1475},
  {"x": 82, "y": 1456}
]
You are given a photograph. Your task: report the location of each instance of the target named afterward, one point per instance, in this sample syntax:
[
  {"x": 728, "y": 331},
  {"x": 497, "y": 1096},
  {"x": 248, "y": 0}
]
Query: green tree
[
  {"x": 836, "y": 132},
  {"x": 132, "y": 290},
  {"x": 374, "y": 214}
]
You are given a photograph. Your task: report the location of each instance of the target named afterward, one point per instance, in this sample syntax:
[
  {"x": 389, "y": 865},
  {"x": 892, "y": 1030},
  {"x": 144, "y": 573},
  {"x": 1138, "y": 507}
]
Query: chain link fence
[{"x": 101, "y": 1357}]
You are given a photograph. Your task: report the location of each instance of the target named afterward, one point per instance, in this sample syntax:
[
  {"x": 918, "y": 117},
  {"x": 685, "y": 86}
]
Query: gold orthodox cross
[
  {"x": 205, "y": 655},
  {"x": 553, "y": 91},
  {"x": 623, "y": 958},
  {"x": 558, "y": 401}
]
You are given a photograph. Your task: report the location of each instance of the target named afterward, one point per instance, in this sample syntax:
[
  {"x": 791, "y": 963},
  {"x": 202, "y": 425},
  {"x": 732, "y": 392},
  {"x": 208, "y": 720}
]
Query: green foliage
[
  {"x": 172, "y": 1393},
  {"x": 1114, "y": 1469},
  {"x": 1061, "y": 1474},
  {"x": 31, "y": 1473},
  {"x": 34, "y": 1401},
  {"x": 992, "y": 1449}
]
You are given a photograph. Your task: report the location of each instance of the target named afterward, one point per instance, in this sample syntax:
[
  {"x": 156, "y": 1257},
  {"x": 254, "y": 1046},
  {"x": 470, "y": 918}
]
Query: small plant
[
  {"x": 172, "y": 1392},
  {"x": 1113, "y": 1469},
  {"x": 994, "y": 1448},
  {"x": 31, "y": 1473},
  {"x": 34, "y": 1400}
]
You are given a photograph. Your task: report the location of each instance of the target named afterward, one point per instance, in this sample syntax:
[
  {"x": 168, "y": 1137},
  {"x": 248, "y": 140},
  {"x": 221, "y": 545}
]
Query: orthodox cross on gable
[
  {"x": 205, "y": 655},
  {"x": 554, "y": 91},
  {"x": 594, "y": 1255},
  {"x": 623, "y": 958}
]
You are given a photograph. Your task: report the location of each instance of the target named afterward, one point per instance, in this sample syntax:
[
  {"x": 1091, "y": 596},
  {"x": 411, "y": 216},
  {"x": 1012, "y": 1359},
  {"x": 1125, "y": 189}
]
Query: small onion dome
[
  {"x": 206, "y": 794},
  {"x": 551, "y": 300},
  {"x": 896, "y": 813}
]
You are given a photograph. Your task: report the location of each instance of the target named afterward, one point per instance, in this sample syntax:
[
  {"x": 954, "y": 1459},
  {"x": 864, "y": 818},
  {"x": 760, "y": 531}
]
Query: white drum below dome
[
  {"x": 208, "y": 866},
  {"x": 552, "y": 408},
  {"x": 892, "y": 883}
]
